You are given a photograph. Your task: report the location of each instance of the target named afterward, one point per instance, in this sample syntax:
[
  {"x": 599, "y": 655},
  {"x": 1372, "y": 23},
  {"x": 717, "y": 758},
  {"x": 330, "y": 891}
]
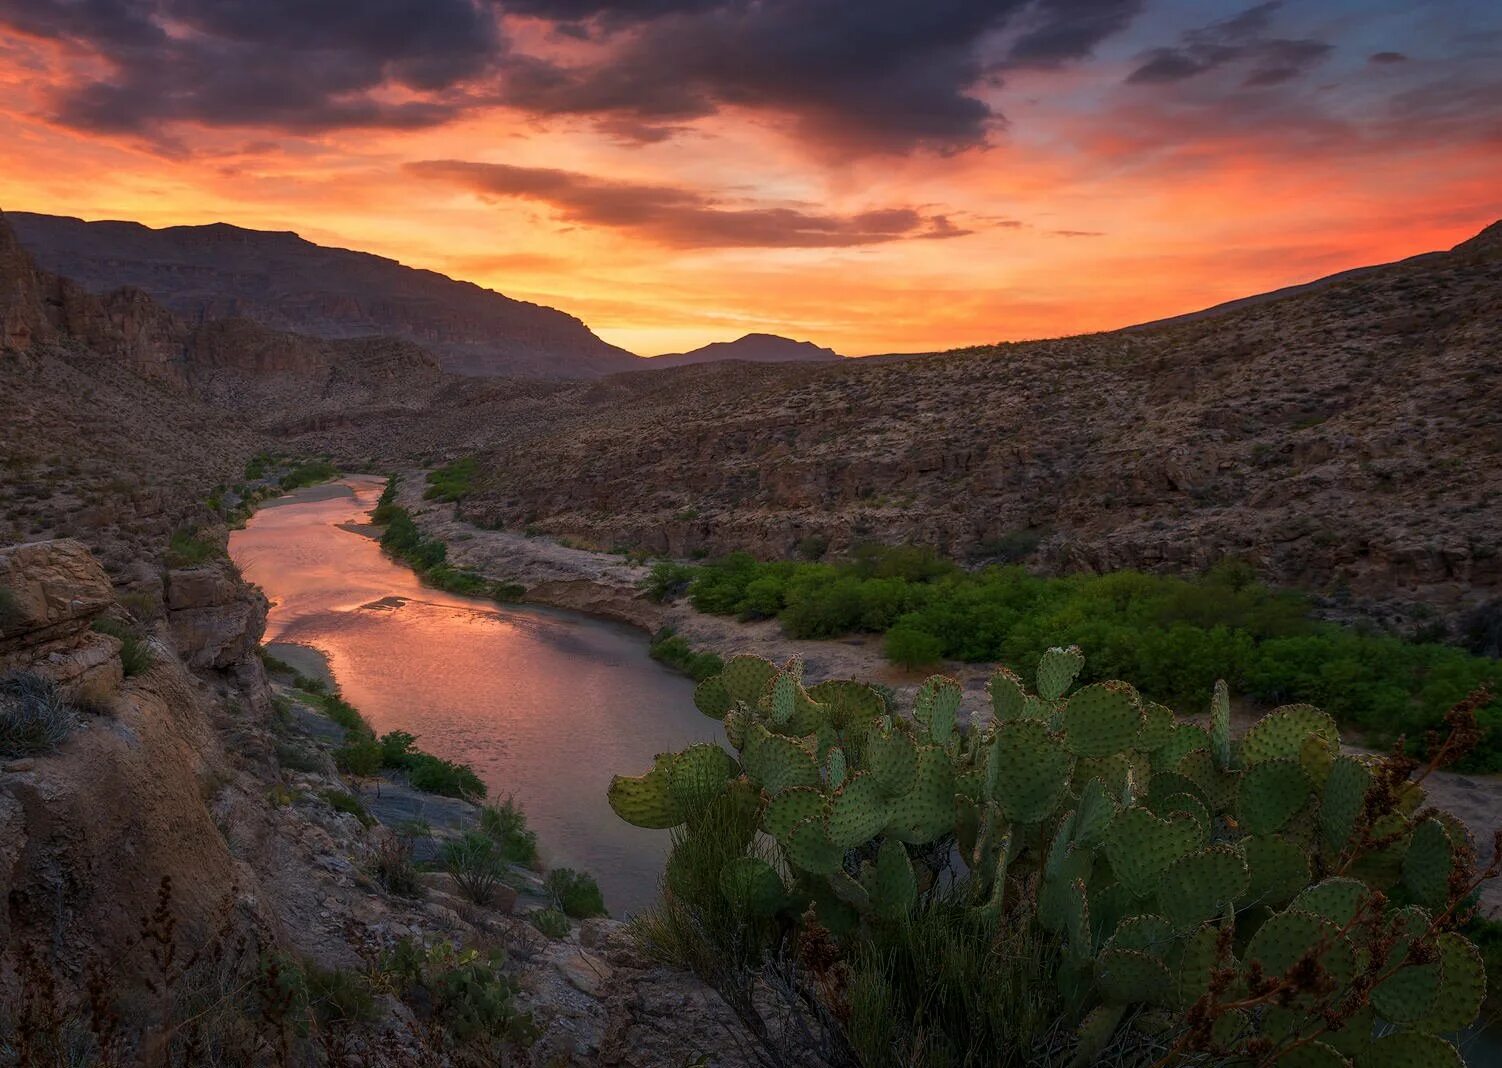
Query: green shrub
[
  {"x": 476, "y": 866},
  {"x": 308, "y": 474},
  {"x": 359, "y": 756},
  {"x": 296, "y": 758},
  {"x": 1127, "y": 881},
  {"x": 35, "y": 717},
  {"x": 446, "y": 778},
  {"x": 668, "y": 580},
  {"x": 550, "y": 922},
  {"x": 465, "y": 993},
  {"x": 348, "y": 803},
  {"x": 672, "y": 650},
  {"x": 136, "y": 656},
  {"x": 575, "y": 892},
  {"x": 911, "y": 647},
  {"x": 394, "y": 867},
  {"x": 338, "y": 995},
  {"x": 452, "y": 482},
  {"x": 506, "y": 823},
  {"x": 187, "y": 548}
]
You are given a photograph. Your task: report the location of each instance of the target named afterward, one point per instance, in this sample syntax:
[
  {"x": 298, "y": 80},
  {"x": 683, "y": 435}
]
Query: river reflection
[{"x": 544, "y": 705}]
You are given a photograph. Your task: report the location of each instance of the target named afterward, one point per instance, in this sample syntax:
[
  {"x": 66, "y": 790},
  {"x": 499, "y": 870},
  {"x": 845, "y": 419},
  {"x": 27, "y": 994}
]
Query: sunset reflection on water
[{"x": 545, "y": 705}]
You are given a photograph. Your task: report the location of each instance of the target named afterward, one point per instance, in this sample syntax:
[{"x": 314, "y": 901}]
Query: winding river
[{"x": 545, "y": 705}]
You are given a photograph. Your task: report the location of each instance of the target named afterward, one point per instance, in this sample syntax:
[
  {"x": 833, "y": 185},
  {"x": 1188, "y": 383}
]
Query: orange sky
[{"x": 1096, "y": 198}]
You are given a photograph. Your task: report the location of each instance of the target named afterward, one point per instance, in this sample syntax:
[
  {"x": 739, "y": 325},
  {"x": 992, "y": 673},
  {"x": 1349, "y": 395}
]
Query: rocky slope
[
  {"x": 757, "y": 348},
  {"x": 1345, "y": 440},
  {"x": 289, "y": 284}
]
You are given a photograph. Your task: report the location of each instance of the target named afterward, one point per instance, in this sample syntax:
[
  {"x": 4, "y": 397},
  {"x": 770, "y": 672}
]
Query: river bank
[{"x": 610, "y": 585}]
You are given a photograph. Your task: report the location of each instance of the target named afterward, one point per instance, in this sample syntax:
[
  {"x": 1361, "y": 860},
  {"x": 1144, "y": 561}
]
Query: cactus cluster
[{"x": 1267, "y": 899}]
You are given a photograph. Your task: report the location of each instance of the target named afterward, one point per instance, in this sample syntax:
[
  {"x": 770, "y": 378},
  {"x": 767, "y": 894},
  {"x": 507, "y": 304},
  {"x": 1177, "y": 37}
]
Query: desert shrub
[
  {"x": 394, "y": 867},
  {"x": 475, "y": 864},
  {"x": 672, "y": 650},
  {"x": 35, "y": 717},
  {"x": 1128, "y": 881},
  {"x": 467, "y": 995},
  {"x": 136, "y": 657},
  {"x": 575, "y": 892},
  {"x": 506, "y": 823},
  {"x": 550, "y": 922},
  {"x": 435, "y": 775},
  {"x": 255, "y": 467},
  {"x": 347, "y": 803},
  {"x": 359, "y": 756},
  {"x": 668, "y": 580},
  {"x": 339, "y": 995},
  {"x": 912, "y": 647},
  {"x": 308, "y": 474},
  {"x": 452, "y": 482},
  {"x": 386, "y": 505},
  {"x": 187, "y": 548},
  {"x": 297, "y": 758}
]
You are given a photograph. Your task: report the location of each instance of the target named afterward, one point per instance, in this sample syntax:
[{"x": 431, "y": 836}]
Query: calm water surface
[{"x": 545, "y": 705}]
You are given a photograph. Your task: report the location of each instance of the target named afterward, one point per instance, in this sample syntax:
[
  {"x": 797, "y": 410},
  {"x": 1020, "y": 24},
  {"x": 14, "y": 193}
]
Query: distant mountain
[
  {"x": 286, "y": 283},
  {"x": 756, "y": 348}
]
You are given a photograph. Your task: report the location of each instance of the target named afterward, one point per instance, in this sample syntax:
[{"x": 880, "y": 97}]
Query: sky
[{"x": 870, "y": 175}]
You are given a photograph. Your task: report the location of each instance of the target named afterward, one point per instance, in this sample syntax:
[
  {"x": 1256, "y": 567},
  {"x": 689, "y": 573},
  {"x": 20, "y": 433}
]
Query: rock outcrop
[{"x": 50, "y": 594}]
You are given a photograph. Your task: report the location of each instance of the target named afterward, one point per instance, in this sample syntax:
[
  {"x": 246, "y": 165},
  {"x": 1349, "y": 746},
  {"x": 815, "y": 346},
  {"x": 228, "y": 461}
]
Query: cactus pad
[
  {"x": 1158, "y": 725},
  {"x": 1289, "y": 936},
  {"x": 746, "y": 678},
  {"x": 1184, "y": 739},
  {"x": 1463, "y": 988},
  {"x": 1028, "y": 771},
  {"x": 1336, "y": 899},
  {"x": 1408, "y": 994},
  {"x": 937, "y": 704},
  {"x": 892, "y": 760},
  {"x": 1092, "y": 815},
  {"x": 1280, "y": 734},
  {"x": 1427, "y": 864},
  {"x": 1190, "y": 806},
  {"x": 1313, "y": 1055},
  {"x": 1140, "y": 847},
  {"x": 778, "y": 763},
  {"x": 1410, "y": 1049},
  {"x": 790, "y": 808},
  {"x": 1220, "y": 725},
  {"x": 1199, "y": 886},
  {"x": 1340, "y": 806},
  {"x": 1007, "y": 694},
  {"x": 857, "y": 811},
  {"x": 698, "y": 775},
  {"x": 1128, "y": 976},
  {"x": 1057, "y": 669},
  {"x": 808, "y": 847},
  {"x": 1147, "y": 933},
  {"x": 890, "y": 882},
  {"x": 927, "y": 810},
  {"x": 1102, "y": 719},
  {"x": 1271, "y": 792},
  {"x": 1278, "y": 869},
  {"x": 753, "y": 885},
  {"x": 711, "y": 697},
  {"x": 646, "y": 800},
  {"x": 737, "y": 723},
  {"x": 1198, "y": 961}
]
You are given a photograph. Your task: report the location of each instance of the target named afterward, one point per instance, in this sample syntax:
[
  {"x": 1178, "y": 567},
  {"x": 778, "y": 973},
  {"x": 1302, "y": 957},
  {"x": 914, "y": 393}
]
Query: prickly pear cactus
[{"x": 1158, "y": 853}]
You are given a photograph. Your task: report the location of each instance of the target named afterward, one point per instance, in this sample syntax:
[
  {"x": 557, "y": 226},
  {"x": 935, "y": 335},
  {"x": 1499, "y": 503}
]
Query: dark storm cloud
[
  {"x": 679, "y": 217},
  {"x": 849, "y": 75},
  {"x": 301, "y": 65},
  {"x": 1245, "y": 41}
]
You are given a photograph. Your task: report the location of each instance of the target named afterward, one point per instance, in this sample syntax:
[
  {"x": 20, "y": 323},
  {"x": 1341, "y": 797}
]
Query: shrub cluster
[
  {"x": 135, "y": 654},
  {"x": 452, "y": 482},
  {"x": 429, "y": 556},
  {"x": 363, "y": 754},
  {"x": 575, "y": 893},
  {"x": 506, "y": 823},
  {"x": 308, "y": 474},
  {"x": 35, "y": 717},
  {"x": 675, "y": 652},
  {"x": 1173, "y": 636}
]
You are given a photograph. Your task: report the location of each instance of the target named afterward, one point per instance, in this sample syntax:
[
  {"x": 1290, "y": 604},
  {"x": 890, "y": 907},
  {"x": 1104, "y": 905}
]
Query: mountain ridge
[{"x": 754, "y": 347}]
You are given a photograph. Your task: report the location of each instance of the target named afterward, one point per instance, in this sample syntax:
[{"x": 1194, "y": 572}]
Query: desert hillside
[
  {"x": 1343, "y": 439},
  {"x": 289, "y": 284}
]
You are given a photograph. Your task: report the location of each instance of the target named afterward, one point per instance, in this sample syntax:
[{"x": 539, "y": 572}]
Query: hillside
[
  {"x": 1346, "y": 440},
  {"x": 286, "y": 283},
  {"x": 755, "y": 348}
]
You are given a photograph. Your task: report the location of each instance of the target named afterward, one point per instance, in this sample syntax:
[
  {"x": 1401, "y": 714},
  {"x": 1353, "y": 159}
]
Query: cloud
[
  {"x": 1387, "y": 57},
  {"x": 679, "y": 217},
  {"x": 1244, "y": 41},
  {"x": 875, "y": 76},
  {"x": 293, "y": 65}
]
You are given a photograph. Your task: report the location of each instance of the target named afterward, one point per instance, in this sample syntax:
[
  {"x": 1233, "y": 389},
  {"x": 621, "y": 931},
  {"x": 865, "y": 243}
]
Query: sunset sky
[{"x": 877, "y": 176}]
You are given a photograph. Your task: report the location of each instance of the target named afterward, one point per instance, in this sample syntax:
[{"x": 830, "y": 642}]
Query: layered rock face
[
  {"x": 54, "y": 591},
  {"x": 288, "y": 284}
]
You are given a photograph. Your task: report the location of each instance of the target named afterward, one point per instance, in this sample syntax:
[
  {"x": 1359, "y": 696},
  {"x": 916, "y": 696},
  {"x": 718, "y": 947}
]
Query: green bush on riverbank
[
  {"x": 1173, "y": 636},
  {"x": 429, "y": 556}
]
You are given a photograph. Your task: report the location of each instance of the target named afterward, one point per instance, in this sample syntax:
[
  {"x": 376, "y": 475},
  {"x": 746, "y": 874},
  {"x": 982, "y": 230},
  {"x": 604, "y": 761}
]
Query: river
[{"x": 545, "y": 705}]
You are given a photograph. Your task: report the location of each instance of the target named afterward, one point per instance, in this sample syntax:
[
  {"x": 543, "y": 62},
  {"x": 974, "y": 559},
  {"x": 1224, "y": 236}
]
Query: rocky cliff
[{"x": 288, "y": 284}]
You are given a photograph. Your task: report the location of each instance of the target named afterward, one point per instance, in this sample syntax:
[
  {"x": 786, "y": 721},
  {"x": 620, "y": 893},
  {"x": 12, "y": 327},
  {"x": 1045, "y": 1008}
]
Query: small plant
[
  {"x": 506, "y": 823},
  {"x": 136, "y": 656},
  {"x": 309, "y": 474},
  {"x": 349, "y": 804},
  {"x": 668, "y": 580},
  {"x": 575, "y": 892},
  {"x": 360, "y": 756},
  {"x": 452, "y": 482},
  {"x": 394, "y": 867},
  {"x": 550, "y": 922},
  {"x": 476, "y": 866},
  {"x": 188, "y": 548},
  {"x": 672, "y": 650},
  {"x": 467, "y": 995},
  {"x": 35, "y": 717}
]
